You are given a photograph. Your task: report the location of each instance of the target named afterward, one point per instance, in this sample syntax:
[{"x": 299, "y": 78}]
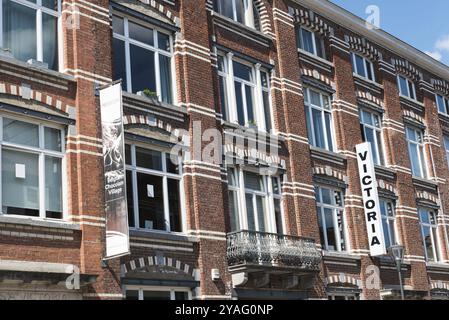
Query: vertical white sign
[
  {"x": 117, "y": 230},
  {"x": 371, "y": 205}
]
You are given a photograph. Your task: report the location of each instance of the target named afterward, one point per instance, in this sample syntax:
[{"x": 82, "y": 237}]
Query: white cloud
[
  {"x": 435, "y": 54},
  {"x": 443, "y": 43}
]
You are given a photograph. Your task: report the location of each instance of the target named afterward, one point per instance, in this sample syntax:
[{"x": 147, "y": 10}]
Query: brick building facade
[{"x": 289, "y": 87}]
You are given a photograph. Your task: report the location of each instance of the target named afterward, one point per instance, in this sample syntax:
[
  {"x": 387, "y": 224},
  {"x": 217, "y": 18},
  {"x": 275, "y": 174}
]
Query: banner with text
[
  {"x": 371, "y": 205},
  {"x": 117, "y": 232}
]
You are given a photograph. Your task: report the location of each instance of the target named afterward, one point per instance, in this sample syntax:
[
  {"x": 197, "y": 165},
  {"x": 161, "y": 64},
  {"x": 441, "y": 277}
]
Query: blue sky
[{"x": 423, "y": 24}]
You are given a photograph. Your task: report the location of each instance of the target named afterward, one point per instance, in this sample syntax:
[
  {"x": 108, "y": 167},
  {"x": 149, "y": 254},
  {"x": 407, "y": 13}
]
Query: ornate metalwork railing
[{"x": 259, "y": 248}]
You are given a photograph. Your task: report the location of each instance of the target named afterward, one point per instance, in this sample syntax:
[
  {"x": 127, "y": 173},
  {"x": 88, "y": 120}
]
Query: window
[
  {"x": 429, "y": 230},
  {"x": 153, "y": 190},
  {"x": 331, "y": 218},
  {"x": 370, "y": 125},
  {"x": 343, "y": 296},
  {"x": 310, "y": 42},
  {"x": 319, "y": 119},
  {"x": 362, "y": 66},
  {"x": 416, "y": 152},
  {"x": 388, "y": 222},
  {"x": 243, "y": 11},
  {"x": 446, "y": 147},
  {"x": 442, "y": 104},
  {"x": 32, "y": 164},
  {"x": 255, "y": 202},
  {"x": 143, "y": 58},
  {"x": 244, "y": 93},
  {"x": 406, "y": 87},
  {"x": 29, "y": 29},
  {"x": 157, "y": 293}
]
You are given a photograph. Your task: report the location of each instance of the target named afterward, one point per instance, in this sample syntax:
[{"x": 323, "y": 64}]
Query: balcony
[{"x": 257, "y": 250}]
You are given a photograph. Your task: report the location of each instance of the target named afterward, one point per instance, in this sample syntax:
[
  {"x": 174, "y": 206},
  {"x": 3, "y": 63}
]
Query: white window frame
[
  {"x": 421, "y": 155},
  {"x": 445, "y": 103},
  {"x": 39, "y": 8},
  {"x": 258, "y": 104},
  {"x": 155, "y": 49},
  {"x": 436, "y": 246},
  {"x": 390, "y": 220},
  {"x": 314, "y": 40},
  {"x": 268, "y": 195},
  {"x": 408, "y": 93},
  {"x": 172, "y": 290},
  {"x": 365, "y": 62},
  {"x": 309, "y": 106},
  {"x": 248, "y": 15},
  {"x": 41, "y": 152},
  {"x": 347, "y": 296},
  {"x": 165, "y": 176},
  {"x": 335, "y": 208},
  {"x": 379, "y": 147}
]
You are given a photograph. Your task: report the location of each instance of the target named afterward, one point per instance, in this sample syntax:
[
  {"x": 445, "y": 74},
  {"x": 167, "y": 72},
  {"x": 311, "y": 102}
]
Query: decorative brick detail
[
  {"x": 404, "y": 67},
  {"x": 361, "y": 45},
  {"x": 317, "y": 75},
  {"x": 162, "y": 9},
  {"x": 330, "y": 172},
  {"x": 159, "y": 261},
  {"x": 265, "y": 23},
  {"x": 441, "y": 86},
  {"x": 382, "y": 184},
  {"x": 344, "y": 279},
  {"x": 424, "y": 195},
  {"x": 311, "y": 20},
  {"x": 442, "y": 285},
  {"x": 369, "y": 97},
  {"x": 152, "y": 122},
  {"x": 413, "y": 116}
]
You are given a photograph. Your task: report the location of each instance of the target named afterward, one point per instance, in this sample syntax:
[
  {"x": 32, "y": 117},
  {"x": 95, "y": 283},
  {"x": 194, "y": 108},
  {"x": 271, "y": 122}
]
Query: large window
[
  {"x": 157, "y": 293},
  {"x": 143, "y": 58},
  {"x": 388, "y": 222},
  {"x": 243, "y": 11},
  {"x": 153, "y": 190},
  {"x": 442, "y": 104},
  {"x": 29, "y": 29},
  {"x": 310, "y": 42},
  {"x": 244, "y": 93},
  {"x": 362, "y": 66},
  {"x": 406, "y": 87},
  {"x": 331, "y": 218},
  {"x": 429, "y": 230},
  {"x": 255, "y": 202},
  {"x": 371, "y": 127},
  {"x": 32, "y": 165},
  {"x": 446, "y": 148},
  {"x": 319, "y": 119},
  {"x": 416, "y": 152}
]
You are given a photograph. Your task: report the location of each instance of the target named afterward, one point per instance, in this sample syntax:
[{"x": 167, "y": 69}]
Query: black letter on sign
[
  {"x": 370, "y": 204},
  {"x": 366, "y": 180},
  {"x": 363, "y": 156},
  {"x": 374, "y": 241},
  {"x": 372, "y": 216}
]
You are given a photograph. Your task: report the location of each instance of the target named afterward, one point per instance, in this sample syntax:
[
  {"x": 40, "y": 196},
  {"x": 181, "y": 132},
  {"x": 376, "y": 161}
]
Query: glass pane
[
  {"x": 423, "y": 164},
  {"x": 20, "y": 173},
  {"x": 117, "y": 25},
  {"x": 172, "y": 163},
  {"x": 233, "y": 210},
  {"x": 264, "y": 79},
  {"x": 240, "y": 10},
  {"x": 249, "y": 105},
  {"x": 52, "y": 139},
  {"x": 309, "y": 125},
  {"x": 50, "y": 40},
  {"x": 330, "y": 230},
  {"x": 225, "y": 8},
  {"x": 163, "y": 41},
  {"x": 53, "y": 187},
  {"x": 328, "y": 123},
  {"x": 386, "y": 228},
  {"x": 428, "y": 243},
  {"x": 414, "y": 159},
  {"x": 341, "y": 228},
  {"x": 239, "y": 102},
  {"x": 261, "y": 213},
  {"x": 307, "y": 41},
  {"x": 379, "y": 147},
  {"x": 140, "y": 33},
  {"x": 360, "y": 65},
  {"x": 150, "y": 159},
  {"x": 278, "y": 216},
  {"x": 181, "y": 295},
  {"x": 369, "y": 135},
  {"x": 142, "y": 69},
  {"x": 50, "y": 4},
  {"x": 174, "y": 204},
  {"x": 166, "y": 79},
  {"x": 119, "y": 62},
  {"x": 440, "y": 104},
  {"x": 319, "y": 47},
  {"x": 253, "y": 181},
  {"x": 242, "y": 71},
  {"x": 326, "y": 196},
  {"x": 318, "y": 129},
  {"x": 267, "y": 111},
  {"x": 127, "y": 154},
  {"x": 250, "y": 212},
  {"x": 424, "y": 216},
  {"x": 223, "y": 98},
  {"x": 366, "y": 117},
  {"x": 129, "y": 198},
  {"x": 403, "y": 86},
  {"x": 156, "y": 295},
  {"x": 276, "y": 186},
  {"x": 411, "y": 90},
  {"x": 20, "y": 132},
  {"x": 232, "y": 180},
  {"x": 19, "y": 30},
  {"x": 151, "y": 202},
  {"x": 132, "y": 295},
  {"x": 321, "y": 226},
  {"x": 369, "y": 71},
  {"x": 315, "y": 98}
]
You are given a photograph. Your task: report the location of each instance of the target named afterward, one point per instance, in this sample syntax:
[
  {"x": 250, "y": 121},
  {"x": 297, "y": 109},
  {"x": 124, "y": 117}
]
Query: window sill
[
  {"x": 315, "y": 60},
  {"x": 369, "y": 84},
  {"x": 38, "y": 222},
  {"x": 253, "y": 132},
  {"x": 327, "y": 156},
  {"x": 414, "y": 104},
  {"x": 437, "y": 265},
  {"x": 52, "y": 78},
  {"x": 164, "y": 235},
  {"x": 426, "y": 184},
  {"x": 340, "y": 255},
  {"x": 384, "y": 172}
]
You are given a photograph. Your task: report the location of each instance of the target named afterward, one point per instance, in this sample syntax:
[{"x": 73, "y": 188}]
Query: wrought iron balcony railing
[{"x": 259, "y": 248}]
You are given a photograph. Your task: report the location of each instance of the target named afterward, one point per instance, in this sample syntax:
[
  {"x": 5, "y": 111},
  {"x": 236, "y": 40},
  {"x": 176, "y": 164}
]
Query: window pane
[
  {"x": 278, "y": 216},
  {"x": 386, "y": 233},
  {"x": 50, "y": 4},
  {"x": 360, "y": 65},
  {"x": 20, "y": 173},
  {"x": 307, "y": 41},
  {"x": 309, "y": 125},
  {"x": 250, "y": 212},
  {"x": 414, "y": 159},
  {"x": 319, "y": 47},
  {"x": 52, "y": 139},
  {"x": 181, "y": 296},
  {"x": 50, "y": 40},
  {"x": 403, "y": 86},
  {"x": 166, "y": 79},
  {"x": 53, "y": 187},
  {"x": 253, "y": 181},
  {"x": 127, "y": 154},
  {"x": 140, "y": 33},
  {"x": 174, "y": 204},
  {"x": 369, "y": 135},
  {"x": 428, "y": 243},
  {"x": 370, "y": 75},
  {"x": 172, "y": 163},
  {"x": 150, "y": 159},
  {"x": 242, "y": 71},
  {"x": 142, "y": 69},
  {"x": 341, "y": 227},
  {"x": 326, "y": 196},
  {"x": 423, "y": 164},
  {"x": 119, "y": 62},
  {"x": 156, "y": 295},
  {"x": 424, "y": 216},
  {"x": 328, "y": 123},
  {"x": 411, "y": 90},
  {"x": 20, "y": 132},
  {"x": 318, "y": 129},
  {"x": 261, "y": 213},
  {"x": 440, "y": 104},
  {"x": 117, "y": 25},
  {"x": 225, "y": 8},
  {"x": 315, "y": 98},
  {"x": 249, "y": 104},
  {"x": 239, "y": 102},
  {"x": 276, "y": 186},
  {"x": 321, "y": 226},
  {"x": 19, "y": 30},
  {"x": 267, "y": 110},
  {"x": 151, "y": 202},
  {"x": 223, "y": 98},
  {"x": 163, "y": 41},
  {"x": 240, "y": 10},
  {"x": 129, "y": 198},
  {"x": 330, "y": 230},
  {"x": 132, "y": 295},
  {"x": 233, "y": 210}
]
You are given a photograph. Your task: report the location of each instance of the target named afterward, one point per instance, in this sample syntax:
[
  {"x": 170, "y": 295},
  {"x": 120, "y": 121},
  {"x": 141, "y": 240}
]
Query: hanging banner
[
  {"x": 117, "y": 231},
  {"x": 371, "y": 205}
]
